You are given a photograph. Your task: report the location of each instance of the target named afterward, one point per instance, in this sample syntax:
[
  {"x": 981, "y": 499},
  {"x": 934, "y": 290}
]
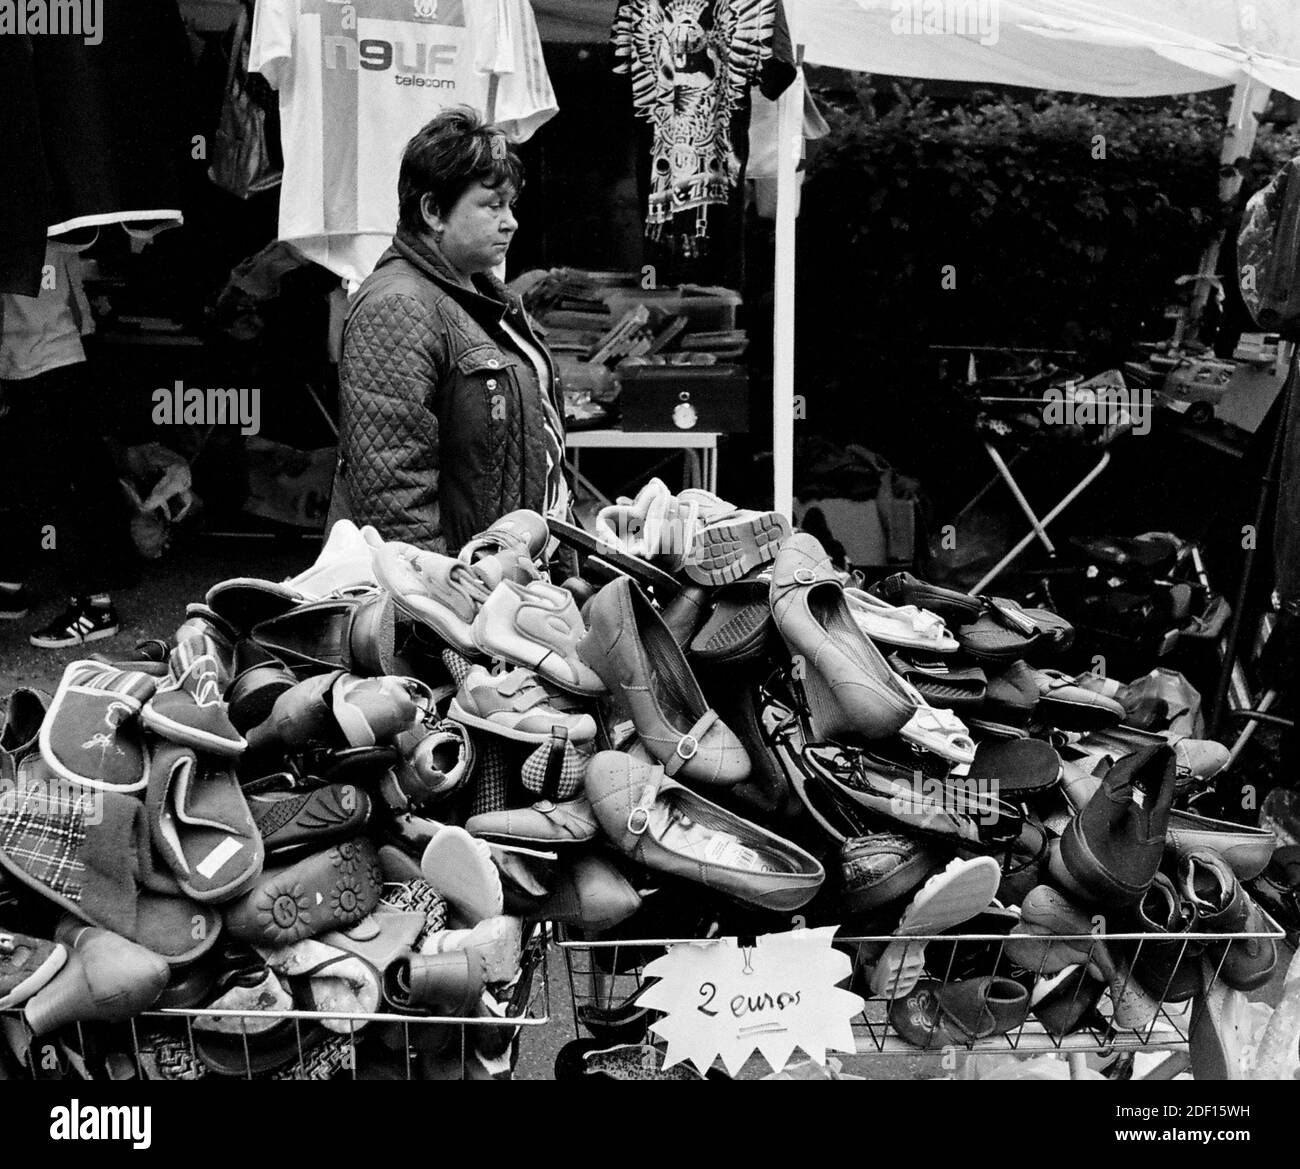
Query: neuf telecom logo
[{"x": 56, "y": 18}]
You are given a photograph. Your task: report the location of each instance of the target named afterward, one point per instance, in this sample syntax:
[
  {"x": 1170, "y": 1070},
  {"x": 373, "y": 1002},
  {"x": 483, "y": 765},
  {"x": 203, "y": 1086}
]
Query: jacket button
[
  {"x": 494, "y": 363},
  {"x": 492, "y": 383}
]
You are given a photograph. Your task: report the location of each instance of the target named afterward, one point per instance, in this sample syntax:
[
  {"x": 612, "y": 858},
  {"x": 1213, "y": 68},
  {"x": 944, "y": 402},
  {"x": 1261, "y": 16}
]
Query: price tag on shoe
[{"x": 724, "y": 999}]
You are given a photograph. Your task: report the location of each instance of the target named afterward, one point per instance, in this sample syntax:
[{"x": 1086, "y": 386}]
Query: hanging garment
[
  {"x": 692, "y": 63},
  {"x": 42, "y": 333},
  {"x": 91, "y": 133},
  {"x": 357, "y": 80}
]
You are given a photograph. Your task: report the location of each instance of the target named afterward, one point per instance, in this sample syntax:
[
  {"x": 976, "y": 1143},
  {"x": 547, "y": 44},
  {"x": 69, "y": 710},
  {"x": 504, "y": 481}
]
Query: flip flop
[
  {"x": 200, "y": 824},
  {"x": 962, "y": 890},
  {"x": 906, "y": 626},
  {"x": 460, "y": 867}
]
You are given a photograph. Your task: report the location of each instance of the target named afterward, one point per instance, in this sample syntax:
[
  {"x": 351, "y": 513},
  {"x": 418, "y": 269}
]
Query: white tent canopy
[{"x": 1110, "y": 48}]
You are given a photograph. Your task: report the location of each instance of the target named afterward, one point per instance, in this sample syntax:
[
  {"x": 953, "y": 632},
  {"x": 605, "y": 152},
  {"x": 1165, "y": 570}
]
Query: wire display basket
[
  {"x": 605, "y": 974},
  {"x": 202, "y": 1042}
]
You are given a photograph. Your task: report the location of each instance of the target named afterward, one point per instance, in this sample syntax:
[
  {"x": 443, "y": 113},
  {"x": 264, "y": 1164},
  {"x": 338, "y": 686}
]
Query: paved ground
[{"x": 154, "y": 608}]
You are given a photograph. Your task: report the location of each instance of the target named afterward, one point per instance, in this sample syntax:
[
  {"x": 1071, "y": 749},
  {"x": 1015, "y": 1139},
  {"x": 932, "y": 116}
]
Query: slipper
[
  {"x": 201, "y": 825},
  {"x": 950, "y": 897},
  {"x": 90, "y": 854},
  {"x": 943, "y": 685},
  {"x": 342, "y": 971},
  {"x": 324, "y": 891},
  {"x": 290, "y": 821},
  {"x": 256, "y": 992},
  {"x": 436, "y": 591},
  {"x": 243, "y": 601},
  {"x": 460, "y": 867},
  {"x": 905, "y": 626},
  {"x": 739, "y": 624},
  {"x": 91, "y": 735}
]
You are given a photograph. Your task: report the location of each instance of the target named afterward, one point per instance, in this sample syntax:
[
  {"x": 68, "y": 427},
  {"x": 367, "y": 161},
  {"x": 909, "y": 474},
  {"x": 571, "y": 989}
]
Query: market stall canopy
[{"x": 1111, "y": 48}]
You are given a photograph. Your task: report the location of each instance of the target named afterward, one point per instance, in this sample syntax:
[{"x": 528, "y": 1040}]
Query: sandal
[
  {"x": 940, "y": 731},
  {"x": 902, "y": 625}
]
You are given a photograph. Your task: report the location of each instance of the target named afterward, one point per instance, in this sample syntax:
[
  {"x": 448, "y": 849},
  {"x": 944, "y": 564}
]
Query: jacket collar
[{"x": 492, "y": 299}]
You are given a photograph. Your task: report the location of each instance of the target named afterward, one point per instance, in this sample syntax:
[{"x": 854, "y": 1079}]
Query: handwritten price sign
[{"x": 722, "y": 999}]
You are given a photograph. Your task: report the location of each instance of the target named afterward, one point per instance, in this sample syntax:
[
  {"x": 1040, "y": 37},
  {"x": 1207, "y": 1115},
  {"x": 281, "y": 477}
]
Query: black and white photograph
[{"x": 649, "y": 540}]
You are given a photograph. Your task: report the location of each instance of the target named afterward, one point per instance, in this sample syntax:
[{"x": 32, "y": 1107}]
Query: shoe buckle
[
  {"x": 682, "y": 743},
  {"x": 638, "y": 820}
]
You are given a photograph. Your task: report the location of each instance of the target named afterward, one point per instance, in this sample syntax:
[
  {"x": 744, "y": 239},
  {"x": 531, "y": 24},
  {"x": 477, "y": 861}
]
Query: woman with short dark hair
[{"x": 450, "y": 411}]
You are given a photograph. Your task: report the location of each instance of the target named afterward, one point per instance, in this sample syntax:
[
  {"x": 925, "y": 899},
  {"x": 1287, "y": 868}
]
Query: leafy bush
[{"x": 1062, "y": 221}]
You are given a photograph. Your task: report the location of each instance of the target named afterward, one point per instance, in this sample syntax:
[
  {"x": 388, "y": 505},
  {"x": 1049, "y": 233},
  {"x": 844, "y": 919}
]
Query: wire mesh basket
[
  {"x": 201, "y": 1042},
  {"x": 605, "y": 974}
]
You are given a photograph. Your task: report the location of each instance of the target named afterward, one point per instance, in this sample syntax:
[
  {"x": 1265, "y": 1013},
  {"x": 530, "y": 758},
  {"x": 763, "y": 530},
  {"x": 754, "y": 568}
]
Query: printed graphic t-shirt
[{"x": 357, "y": 80}]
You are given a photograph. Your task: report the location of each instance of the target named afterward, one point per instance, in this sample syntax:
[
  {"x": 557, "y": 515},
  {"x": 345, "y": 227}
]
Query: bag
[
  {"x": 243, "y": 162},
  {"x": 1268, "y": 254}
]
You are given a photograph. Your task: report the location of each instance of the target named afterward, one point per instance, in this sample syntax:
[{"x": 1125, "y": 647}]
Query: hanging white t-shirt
[{"x": 357, "y": 79}]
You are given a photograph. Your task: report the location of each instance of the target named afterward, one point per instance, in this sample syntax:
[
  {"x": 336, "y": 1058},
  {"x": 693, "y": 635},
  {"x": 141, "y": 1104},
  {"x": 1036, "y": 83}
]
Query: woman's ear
[{"x": 432, "y": 216}]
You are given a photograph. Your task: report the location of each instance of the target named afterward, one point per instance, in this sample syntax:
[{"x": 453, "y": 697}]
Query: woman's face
[{"x": 477, "y": 231}]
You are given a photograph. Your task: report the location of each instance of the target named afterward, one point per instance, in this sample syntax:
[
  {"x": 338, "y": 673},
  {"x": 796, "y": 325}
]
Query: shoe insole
[{"x": 678, "y": 833}]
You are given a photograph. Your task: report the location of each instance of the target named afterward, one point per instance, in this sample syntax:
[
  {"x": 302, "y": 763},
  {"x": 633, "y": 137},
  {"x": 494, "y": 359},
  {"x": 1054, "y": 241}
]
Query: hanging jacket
[{"x": 441, "y": 418}]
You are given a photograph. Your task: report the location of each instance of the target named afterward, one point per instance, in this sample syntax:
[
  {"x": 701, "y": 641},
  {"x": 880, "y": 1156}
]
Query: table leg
[{"x": 1024, "y": 543}]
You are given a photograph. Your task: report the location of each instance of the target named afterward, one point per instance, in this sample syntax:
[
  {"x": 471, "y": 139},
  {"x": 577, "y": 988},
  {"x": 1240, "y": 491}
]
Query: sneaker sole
[
  {"x": 66, "y": 643},
  {"x": 725, "y": 552}
]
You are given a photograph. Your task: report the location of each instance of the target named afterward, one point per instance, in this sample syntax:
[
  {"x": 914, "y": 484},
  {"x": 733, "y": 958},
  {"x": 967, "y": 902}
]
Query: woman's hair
[{"x": 454, "y": 150}]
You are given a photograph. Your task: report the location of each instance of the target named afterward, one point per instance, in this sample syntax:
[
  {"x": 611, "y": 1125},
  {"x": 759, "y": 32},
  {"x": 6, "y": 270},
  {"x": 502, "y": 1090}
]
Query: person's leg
[{"x": 77, "y": 510}]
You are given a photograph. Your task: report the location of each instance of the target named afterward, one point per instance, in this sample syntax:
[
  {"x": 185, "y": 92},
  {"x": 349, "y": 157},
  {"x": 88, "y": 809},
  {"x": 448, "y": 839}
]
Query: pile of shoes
[
  {"x": 354, "y": 792},
  {"x": 208, "y": 827}
]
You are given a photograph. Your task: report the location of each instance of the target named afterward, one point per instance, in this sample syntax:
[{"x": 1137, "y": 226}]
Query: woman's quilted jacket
[{"x": 441, "y": 423}]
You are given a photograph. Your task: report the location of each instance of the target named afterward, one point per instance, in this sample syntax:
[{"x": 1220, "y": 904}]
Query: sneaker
[
  {"x": 15, "y": 602},
  {"x": 79, "y": 623}
]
